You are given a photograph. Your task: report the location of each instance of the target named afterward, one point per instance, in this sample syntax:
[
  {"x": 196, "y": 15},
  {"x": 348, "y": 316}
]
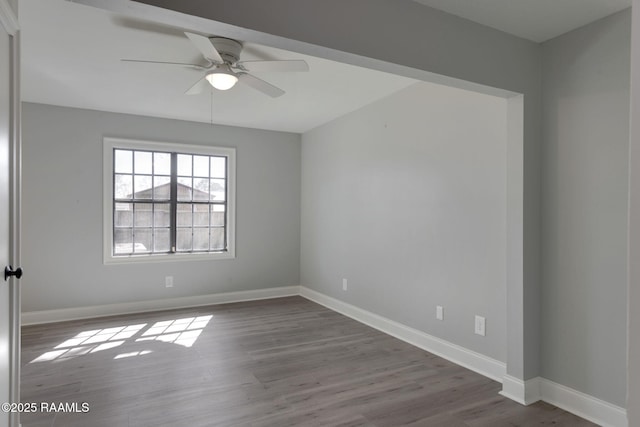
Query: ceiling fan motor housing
[{"x": 228, "y": 49}]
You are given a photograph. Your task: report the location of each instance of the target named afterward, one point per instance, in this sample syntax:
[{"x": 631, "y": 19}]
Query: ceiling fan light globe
[{"x": 222, "y": 80}]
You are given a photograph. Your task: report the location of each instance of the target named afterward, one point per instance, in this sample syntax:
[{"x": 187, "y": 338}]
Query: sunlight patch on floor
[{"x": 184, "y": 332}]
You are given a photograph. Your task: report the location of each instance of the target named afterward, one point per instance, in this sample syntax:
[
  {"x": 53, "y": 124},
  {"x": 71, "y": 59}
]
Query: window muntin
[{"x": 169, "y": 200}]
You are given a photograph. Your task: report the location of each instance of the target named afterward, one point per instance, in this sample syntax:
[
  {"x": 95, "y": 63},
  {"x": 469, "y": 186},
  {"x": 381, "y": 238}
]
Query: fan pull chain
[{"x": 211, "y": 93}]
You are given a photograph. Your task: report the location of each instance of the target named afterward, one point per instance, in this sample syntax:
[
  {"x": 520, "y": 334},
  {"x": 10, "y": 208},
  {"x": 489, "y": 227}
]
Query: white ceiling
[
  {"x": 536, "y": 20},
  {"x": 71, "y": 57}
]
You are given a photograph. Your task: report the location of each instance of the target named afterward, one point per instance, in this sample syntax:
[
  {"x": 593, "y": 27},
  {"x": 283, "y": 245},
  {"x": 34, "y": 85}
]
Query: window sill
[{"x": 177, "y": 257}]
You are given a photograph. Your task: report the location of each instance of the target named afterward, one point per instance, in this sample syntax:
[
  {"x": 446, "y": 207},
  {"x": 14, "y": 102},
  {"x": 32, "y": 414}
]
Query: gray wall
[
  {"x": 14, "y": 6},
  {"x": 406, "y": 199},
  {"x": 63, "y": 209},
  {"x": 584, "y": 211},
  {"x": 633, "y": 398}
]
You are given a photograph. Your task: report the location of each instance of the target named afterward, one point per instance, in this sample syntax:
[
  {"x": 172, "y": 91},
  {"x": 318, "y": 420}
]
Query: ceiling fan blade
[
  {"x": 295, "y": 65},
  {"x": 204, "y": 45},
  {"x": 198, "y": 87},
  {"x": 261, "y": 85},
  {"x": 183, "y": 64}
]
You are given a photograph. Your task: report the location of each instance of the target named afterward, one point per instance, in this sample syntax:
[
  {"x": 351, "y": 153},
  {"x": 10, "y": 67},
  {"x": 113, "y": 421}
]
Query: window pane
[
  {"x": 123, "y": 161},
  {"x": 217, "y": 215},
  {"x": 123, "y": 187},
  {"x": 123, "y": 215},
  {"x": 143, "y": 215},
  {"x": 218, "y": 167},
  {"x": 162, "y": 215},
  {"x": 142, "y": 187},
  {"x": 142, "y": 162},
  {"x": 183, "y": 237},
  {"x": 143, "y": 208},
  {"x": 218, "y": 190},
  {"x": 201, "y": 215},
  {"x": 201, "y": 189},
  {"x": 142, "y": 240},
  {"x": 184, "y": 165},
  {"x": 201, "y": 166},
  {"x": 123, "y": 241},
  {"x": 184, "y": 188},
  {"x": 162, "y": 241},
  {"x": 184, "y": 217},
  {"x": 217, "y": 239},
  {"x": 162, "y": 163},
  {"x": 200, "y": 239},
  {"x": 161, "y": 187}
]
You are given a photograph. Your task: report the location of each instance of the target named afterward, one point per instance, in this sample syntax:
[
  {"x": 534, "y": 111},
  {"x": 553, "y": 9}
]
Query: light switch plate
[{"x": 480, "y": 325}]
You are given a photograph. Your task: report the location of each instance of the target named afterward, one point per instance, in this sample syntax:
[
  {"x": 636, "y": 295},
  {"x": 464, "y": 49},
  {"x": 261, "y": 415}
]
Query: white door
[
  {"x": 9, "y": 291},
  {"x": 5, "y": 299}
]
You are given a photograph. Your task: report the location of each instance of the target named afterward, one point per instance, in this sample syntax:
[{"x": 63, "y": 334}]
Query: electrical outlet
[
  {"x": 344, "y": 285},
  {"x": 480, "y": 325},
  {"x": 168, "y": 281},
  {"x": 439, "y": 312}
]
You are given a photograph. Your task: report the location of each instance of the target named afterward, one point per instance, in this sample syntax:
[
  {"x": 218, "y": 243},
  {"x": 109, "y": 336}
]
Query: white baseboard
[
  {"x": 583, "y": 405},
  {"x": 50, "y": 316},
  {"x": 523, "y": 392},
  {"x": 578, "y": 403},
  {"x": 477, "y": 362}
]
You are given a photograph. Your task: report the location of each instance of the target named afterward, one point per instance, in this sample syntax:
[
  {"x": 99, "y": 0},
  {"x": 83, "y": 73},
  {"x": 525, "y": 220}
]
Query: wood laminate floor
[{"x": 281, "y": 362}]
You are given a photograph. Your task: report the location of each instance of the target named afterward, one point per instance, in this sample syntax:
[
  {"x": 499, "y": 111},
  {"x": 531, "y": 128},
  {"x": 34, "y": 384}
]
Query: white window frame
[{"x": 109, "y": 144}]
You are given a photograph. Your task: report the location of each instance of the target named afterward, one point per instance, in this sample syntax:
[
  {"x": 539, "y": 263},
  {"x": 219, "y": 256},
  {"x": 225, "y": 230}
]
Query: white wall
[
  {"x": 62, "y": 211},
  {"x": 406, "y": 198},
  {"x": 585, "y": 184}
]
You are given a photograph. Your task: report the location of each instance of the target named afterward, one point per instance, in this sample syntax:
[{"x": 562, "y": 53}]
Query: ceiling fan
[{"x": 224, "y": 69}]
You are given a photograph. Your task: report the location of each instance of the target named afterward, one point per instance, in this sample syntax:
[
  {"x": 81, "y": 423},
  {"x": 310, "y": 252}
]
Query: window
[{"x": 168, "y": 201}]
